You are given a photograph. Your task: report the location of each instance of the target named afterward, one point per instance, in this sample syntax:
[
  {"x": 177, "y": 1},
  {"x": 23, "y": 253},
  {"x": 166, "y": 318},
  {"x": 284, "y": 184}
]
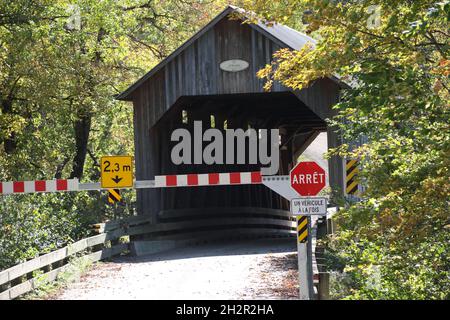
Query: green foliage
[
  {"x": 394, "y": 243},
  {"x": 35, "y": 224}
]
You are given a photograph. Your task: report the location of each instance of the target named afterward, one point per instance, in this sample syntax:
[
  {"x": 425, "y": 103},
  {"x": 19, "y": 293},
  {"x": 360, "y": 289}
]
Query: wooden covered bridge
[
  {"x": 191, "y": 85},
  {"x": 201, "y": 81}
]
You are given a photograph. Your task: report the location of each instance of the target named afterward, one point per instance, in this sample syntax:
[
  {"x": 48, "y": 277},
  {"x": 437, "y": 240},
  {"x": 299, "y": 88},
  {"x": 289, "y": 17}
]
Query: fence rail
[{"x": 19, "y": 279}]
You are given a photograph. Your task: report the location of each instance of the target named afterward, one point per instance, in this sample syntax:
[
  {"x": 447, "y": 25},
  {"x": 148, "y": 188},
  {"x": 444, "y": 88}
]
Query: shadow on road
[{"x": 218, "y": 248}]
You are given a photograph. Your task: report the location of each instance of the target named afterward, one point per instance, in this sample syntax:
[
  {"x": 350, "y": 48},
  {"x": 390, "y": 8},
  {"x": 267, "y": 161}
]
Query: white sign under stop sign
[{"x": 309, "y": 206}]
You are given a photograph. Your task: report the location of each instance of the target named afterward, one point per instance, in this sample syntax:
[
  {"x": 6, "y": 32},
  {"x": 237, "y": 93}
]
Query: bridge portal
[{"x": 201, "y": 81}]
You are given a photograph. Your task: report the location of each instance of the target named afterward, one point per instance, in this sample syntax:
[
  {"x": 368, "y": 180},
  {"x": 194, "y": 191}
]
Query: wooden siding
[{"x": 195, "y": 71}]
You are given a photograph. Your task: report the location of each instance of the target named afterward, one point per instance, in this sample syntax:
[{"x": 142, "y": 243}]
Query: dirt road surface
[{"x": 245, "y": 269}]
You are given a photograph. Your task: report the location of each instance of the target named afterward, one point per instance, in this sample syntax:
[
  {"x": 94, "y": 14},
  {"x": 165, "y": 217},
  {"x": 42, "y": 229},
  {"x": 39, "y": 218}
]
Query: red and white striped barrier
[
  {"x": 208, "y": 179},
  {"x": 17, "y": 187},
  {"x": 183, "y": 180}
]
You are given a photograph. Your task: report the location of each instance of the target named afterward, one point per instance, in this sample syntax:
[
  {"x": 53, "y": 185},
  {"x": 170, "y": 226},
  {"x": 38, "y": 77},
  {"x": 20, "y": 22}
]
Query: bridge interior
[{"x": 230, "y": 207}]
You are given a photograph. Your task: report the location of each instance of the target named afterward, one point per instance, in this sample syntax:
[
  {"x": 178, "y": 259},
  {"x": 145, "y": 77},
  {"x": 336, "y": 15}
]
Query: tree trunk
[
  {"x": 9, "y": 143},
  {"x": 82, "y": 127}
]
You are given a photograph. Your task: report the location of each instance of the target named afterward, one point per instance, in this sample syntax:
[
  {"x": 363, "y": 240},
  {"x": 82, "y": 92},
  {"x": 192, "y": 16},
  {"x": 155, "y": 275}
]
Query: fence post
[{"x": 324, "y": 228}]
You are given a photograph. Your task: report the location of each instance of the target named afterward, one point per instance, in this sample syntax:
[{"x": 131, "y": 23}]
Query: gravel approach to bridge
[{"x": 244, "y": 269}]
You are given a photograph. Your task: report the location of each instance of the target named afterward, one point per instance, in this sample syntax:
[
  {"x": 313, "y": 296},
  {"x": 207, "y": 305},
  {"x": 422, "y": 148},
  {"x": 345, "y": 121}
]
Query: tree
[{"x": 394, "y": 243}]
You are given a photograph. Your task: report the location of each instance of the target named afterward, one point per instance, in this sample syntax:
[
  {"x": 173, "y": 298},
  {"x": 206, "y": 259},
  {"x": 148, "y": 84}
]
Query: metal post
[
  {"x": 302, "y": 249},
  {"x": 303, "y": 271},
  {"x": 310, "y": 262}
]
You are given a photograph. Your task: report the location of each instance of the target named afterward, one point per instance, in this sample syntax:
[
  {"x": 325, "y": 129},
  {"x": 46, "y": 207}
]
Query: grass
[{"x": 73, "y": 271}]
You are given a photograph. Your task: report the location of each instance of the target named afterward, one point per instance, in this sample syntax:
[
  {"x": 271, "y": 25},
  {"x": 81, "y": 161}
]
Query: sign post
[
  {"x": 302, "y": 253},
  {"x": 307, "y": 179}
]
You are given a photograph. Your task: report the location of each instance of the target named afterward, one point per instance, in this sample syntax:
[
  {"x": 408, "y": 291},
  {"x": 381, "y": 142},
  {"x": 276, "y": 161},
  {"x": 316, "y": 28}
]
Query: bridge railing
[
  {"x": 27, "y": 276},
  {"x": 22, "y": 278}
]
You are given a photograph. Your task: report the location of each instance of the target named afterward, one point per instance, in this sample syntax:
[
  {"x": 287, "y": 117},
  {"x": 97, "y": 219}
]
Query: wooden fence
[{"x": 19, "y": 279}]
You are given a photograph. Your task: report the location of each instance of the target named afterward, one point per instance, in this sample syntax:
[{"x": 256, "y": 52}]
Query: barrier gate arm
[
  {"x": 166, "y": 181},
  {"x": 138, "y": 184},
  {"x": 279, "y": 184}
]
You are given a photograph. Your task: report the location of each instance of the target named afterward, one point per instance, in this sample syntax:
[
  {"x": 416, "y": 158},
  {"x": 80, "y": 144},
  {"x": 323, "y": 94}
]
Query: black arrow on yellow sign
[{"x": 116, "y": 179}]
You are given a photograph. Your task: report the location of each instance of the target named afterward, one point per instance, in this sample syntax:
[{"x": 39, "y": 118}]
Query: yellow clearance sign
[{"x": 117, "y": 172}]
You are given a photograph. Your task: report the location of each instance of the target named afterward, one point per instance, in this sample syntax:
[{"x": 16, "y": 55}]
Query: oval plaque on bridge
[{"x": 234, "y": 65}]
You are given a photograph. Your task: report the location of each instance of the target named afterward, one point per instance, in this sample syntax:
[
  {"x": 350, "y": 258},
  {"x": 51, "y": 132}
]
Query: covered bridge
[{"x": 190, "y": 85}]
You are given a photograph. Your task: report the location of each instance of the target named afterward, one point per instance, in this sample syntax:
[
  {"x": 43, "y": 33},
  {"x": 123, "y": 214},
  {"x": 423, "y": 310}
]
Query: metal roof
[{"x": 280, "y": 34}]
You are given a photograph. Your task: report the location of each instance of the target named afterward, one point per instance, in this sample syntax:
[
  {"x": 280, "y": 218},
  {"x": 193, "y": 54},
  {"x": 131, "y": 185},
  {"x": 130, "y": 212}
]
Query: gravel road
[{"x": 246, "y": 269}]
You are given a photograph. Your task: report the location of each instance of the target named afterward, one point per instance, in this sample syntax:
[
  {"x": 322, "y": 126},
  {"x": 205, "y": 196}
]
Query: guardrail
[{"x": 19, "y": 279}]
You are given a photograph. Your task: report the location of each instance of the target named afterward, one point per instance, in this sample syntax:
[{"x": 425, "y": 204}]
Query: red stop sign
[{"x": 307, "y": 178}]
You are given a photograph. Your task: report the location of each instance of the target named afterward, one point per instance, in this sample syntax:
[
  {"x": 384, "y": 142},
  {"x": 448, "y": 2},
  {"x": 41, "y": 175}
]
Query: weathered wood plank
[
  {"x": 202, "y": 223},
  {"x": 107, "y": 252},
  {"x": 214, "y": 211},
  {"x": 4, "y": 276},
  {"x": 77, "y": 246},
  {"x": 5, "y": 295},
  {"x": 34, "y": 264},
  {"x": 117, "y": 224},
  {"x": 34, "y": 283},
  {"x": 52, "y": 257},
  {"x": 226, "y": 234}
]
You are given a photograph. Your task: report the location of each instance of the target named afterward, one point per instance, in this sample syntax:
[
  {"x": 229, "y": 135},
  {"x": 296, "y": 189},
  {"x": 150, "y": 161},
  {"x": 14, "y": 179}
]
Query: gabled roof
[
  {"x": 283, "y": 35},
  {"x": 280, "y": 34}
]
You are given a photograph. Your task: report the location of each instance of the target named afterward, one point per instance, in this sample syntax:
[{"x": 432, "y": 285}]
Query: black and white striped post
[
  {"x": 302, "y": 208},
  {"x": 307, "y": 179}
]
